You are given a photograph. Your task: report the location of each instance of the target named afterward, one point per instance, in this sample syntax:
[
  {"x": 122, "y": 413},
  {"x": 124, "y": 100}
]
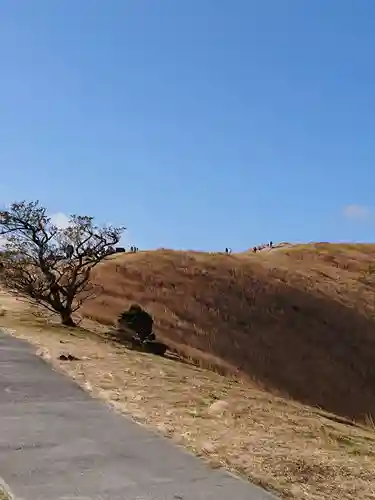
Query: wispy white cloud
[
  {"x": 60, "y": 220},
  {"x": 356, "y": 212}
]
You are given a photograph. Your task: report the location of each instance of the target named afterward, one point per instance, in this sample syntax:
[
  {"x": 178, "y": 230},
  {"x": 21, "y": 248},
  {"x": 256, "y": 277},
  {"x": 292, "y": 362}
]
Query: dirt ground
[{"x": 294, "y": 450}]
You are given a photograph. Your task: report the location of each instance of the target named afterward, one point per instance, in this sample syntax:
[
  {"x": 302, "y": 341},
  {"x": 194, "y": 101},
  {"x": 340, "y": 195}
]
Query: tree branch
[{"x": 36, "y": 263}]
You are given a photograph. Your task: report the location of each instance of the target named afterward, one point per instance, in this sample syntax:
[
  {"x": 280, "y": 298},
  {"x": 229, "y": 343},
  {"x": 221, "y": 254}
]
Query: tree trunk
[{"x": 66, "y": 319}]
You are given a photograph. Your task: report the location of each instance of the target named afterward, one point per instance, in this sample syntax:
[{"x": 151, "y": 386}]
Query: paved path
[{"x": 56, "y": 443}]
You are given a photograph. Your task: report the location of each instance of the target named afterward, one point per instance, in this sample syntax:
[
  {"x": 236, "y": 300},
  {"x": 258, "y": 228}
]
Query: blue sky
[{"x": 195, "y": 123}]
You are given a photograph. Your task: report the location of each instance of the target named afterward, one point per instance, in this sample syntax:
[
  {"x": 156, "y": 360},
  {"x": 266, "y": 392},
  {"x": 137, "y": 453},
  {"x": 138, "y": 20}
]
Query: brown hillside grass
[
  {"x": 302, "y": 453},
  {"x": 295, "y": 320}
]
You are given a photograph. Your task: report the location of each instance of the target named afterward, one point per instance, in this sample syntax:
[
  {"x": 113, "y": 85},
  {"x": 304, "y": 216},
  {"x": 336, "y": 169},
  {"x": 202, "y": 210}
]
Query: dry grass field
[
  {"x": 298, "y": 321},
  {"x": 292, "y": 331}
]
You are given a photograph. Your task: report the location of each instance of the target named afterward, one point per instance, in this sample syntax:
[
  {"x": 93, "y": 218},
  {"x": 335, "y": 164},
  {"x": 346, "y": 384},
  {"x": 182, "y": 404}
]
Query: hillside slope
[{"x": 298, "y": 321}]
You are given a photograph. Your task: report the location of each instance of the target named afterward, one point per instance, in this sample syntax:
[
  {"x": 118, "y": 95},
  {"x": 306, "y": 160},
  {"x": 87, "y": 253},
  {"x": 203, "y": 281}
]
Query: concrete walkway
[{"x": 56, "y": 443}]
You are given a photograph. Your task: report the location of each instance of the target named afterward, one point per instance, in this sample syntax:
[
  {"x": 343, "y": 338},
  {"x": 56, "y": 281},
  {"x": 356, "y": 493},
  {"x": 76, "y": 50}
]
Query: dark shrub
[{"x": 140, "y": 322}]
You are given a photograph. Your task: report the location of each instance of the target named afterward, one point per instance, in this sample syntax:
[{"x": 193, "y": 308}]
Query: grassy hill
[{"x": 297, "y": 320}]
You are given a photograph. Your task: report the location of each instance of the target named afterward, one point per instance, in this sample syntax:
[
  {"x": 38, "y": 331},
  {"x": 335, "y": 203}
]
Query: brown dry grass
[
  {"x": 308, "y": 309},
  {"x": 297, "y": 321},
  {"x": 293, "y": 450}
]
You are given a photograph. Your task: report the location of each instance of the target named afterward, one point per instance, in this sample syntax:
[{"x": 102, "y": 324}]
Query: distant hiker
[
  {"x": 271, "y": 244},
  {"x": 226, "y": 251},
  {"x": 132, "y": 249},
  {"x": 255, "y": 249}
]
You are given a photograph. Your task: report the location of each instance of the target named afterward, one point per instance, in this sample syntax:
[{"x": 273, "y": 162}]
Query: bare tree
[{"x": 49, "y": 265}]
